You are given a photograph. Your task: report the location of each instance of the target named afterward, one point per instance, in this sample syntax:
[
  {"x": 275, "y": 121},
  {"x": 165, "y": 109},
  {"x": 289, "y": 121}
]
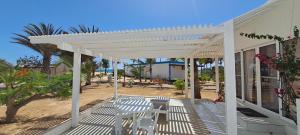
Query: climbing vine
[{"x": 286, "y": 63}]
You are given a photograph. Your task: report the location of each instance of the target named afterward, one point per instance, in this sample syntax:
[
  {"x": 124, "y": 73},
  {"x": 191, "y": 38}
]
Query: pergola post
[
  {"x": 230, "y": 84},
  {"x": 192, "y": 72},
  {"x": 217, "y": 75},
  {"x": 186, "y": 75},
  {"x": 115, "y": 64},
  {"x": 76, "y": 88}
]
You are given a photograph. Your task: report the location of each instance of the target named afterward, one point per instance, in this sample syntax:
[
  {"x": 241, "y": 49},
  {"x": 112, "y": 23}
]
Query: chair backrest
[
  {"x": 136, "y": 97},
  {"x": 156, "y": 115}
]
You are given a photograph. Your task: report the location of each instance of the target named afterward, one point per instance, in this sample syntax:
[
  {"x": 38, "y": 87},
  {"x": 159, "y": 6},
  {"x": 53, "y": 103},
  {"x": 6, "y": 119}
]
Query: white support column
[
  {"x": 298, "y": 115},
  {"x": 115, "y": 64},
  {"x": 258, "y": 79},
  {"x": 186, "y": 75},
  {"x": 278, "y": 79},
  {"x": 217, "y": 75},
  {"x": 230, "y": 84},
  {"x": 192, "y": 80},
  {"x": 242, "y": 75},
  {"x": 76, "y": 88}
]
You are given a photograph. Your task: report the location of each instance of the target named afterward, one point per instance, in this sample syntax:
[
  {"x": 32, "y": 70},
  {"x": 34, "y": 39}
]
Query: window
[
  {"x": 269, "y": 81},
  {"x": 249, "y": 76},
  {"x": 238, "y": 75}
]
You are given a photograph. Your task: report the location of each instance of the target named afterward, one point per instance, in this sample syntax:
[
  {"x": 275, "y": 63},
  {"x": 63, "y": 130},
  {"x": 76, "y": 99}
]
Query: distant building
[
  {"x": 54, "y": 70},
  {"x": 168, "y": 70}
]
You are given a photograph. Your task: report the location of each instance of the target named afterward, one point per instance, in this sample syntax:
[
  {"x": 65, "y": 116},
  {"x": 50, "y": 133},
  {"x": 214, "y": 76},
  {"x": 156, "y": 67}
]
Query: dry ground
[{"x": 42, "y": 114}]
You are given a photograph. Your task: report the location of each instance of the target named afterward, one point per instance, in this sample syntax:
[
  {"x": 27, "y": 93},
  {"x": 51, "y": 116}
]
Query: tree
[
  {"x": 4, "y": 65},
  {"x": 105, "y": 65},
  {"x": 150, "y": 61},
  {"x": 27, "y": 86},
  {"x": 32, "y": 61},
  {"x": 196, "y": 79},
  {"x": 90, "y": 66},
  {"x": 86, "y": 70},
  {"x": 46, "y": 50}
]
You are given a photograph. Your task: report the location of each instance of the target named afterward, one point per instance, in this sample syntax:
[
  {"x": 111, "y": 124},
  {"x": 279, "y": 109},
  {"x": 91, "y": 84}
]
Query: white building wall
[
  {"x": 278, "y": 20},
  {"x": 177, "y": 72},
  {"x": 160, "y": 70}
]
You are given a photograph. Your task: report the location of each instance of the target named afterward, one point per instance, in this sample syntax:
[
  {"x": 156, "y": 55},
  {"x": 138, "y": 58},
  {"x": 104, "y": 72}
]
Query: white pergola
[{"x": 203, "y": 41}]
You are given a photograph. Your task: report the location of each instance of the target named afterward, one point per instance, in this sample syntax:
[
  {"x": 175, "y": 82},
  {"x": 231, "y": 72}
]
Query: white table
[{"x": 134, "y": 107}]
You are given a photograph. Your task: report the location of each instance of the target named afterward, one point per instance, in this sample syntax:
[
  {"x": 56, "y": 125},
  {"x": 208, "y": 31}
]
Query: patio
[
  {"x": 183, "y": 120},
  {"x": 202, "y": 41}
]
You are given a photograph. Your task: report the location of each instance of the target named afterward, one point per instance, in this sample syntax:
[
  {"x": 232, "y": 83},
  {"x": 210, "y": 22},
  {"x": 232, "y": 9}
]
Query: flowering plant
[{"x": 286, "y": 63}]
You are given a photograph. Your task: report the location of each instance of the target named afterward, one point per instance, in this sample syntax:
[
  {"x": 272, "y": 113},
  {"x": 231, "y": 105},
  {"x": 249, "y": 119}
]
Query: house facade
[
  {"x": 168, "y": 70},
  {"x": 255, "y": 82}
]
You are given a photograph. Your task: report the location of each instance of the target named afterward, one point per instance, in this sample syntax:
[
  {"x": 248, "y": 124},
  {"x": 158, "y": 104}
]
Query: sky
[{"x": 110, "y": 15}]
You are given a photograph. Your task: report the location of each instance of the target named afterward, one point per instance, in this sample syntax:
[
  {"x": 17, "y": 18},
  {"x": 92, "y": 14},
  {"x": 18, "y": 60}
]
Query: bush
[
  {"x": 60, "y": 85},
  {"x": 179, "y": 84},
  {"x": 205, "y": 77}
]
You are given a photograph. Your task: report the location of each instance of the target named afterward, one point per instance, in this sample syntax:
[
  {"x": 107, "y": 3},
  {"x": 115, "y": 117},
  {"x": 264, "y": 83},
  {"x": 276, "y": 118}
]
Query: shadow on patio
[{"x": 183, "y": 120}]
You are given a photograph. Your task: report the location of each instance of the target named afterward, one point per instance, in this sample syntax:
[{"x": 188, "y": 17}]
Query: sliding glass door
[
  {"x": 269, "y": 81},
  {"x": 249, "y": 76}
]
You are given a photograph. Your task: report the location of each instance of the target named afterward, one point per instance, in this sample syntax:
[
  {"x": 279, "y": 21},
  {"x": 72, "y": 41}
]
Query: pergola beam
[
  {"x": 146, "y": 42},
  {"x": 145, "y": 48},
  {"x": 131, "y": 34}
]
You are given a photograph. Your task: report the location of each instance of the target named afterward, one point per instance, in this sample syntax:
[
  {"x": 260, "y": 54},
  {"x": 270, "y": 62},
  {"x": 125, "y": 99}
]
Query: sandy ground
[{"x": 43, "y": 110}]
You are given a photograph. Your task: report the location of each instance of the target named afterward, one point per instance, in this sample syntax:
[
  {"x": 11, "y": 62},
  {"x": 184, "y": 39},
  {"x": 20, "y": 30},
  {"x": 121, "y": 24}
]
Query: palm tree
[
  {"x": 150, "y": 61},
  {"x": 4, "y": 65},
  {"x": 89, "y": 62},
  {"x": 105, "y": 65},
  {"x": 46, "y": 50}
]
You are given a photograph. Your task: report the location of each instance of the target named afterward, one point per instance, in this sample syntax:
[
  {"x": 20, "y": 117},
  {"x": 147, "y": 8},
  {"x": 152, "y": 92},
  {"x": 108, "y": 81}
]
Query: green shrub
[
  {"x": 60, "y": 85},
  {"x": 179, "y": 84},
  {"x": 205, "y": 77}
]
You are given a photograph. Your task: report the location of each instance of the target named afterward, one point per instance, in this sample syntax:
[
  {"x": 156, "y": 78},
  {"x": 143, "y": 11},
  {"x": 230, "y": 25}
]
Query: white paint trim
[
  {"x": 242, "y": 75},
  {"x": 76, "y": 88},
  {"x": 258, "y": 78},
  {"x": 230, "y": 87},
  {"x": 278, "y": 79}
]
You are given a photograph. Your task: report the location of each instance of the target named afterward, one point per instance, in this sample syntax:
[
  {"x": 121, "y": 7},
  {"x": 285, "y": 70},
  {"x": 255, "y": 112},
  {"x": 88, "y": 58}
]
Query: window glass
[
  {"x": 238, "y": 75},
  {"x": 249, "y": 75},
  {"x": 269, "y": 81}
]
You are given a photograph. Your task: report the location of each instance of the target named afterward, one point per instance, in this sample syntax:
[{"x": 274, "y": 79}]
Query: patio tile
[{"x": 183, "y": 120}]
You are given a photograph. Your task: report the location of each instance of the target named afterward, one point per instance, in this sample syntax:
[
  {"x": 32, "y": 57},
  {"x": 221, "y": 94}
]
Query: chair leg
[
  {"x": 156, "y": 130},
  {"x": 167, "y": 116},
  {"x": 150, "y": 132}
]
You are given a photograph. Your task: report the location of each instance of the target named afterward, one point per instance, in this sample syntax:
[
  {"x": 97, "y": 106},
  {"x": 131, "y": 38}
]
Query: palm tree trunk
[
  {"x": 46, "y": 64},
  {"x": 150, "y": 72},
  {"x": 105, "y": 71},
  {"x": 124, "y": 80},
  {"x": 11, "y": 111},
  {"x": 196, "y": 81},
  {"x": 140, "y": 71},
  {"x": 88, "y": 79}
]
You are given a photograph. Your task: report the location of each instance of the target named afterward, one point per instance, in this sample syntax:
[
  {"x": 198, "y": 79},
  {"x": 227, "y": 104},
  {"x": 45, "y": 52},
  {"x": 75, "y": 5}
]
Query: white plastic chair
[
  {"x": 119, "y": 116},
  {"x": 163, "y": 103},
  {"x": 147, "y": 123}
]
